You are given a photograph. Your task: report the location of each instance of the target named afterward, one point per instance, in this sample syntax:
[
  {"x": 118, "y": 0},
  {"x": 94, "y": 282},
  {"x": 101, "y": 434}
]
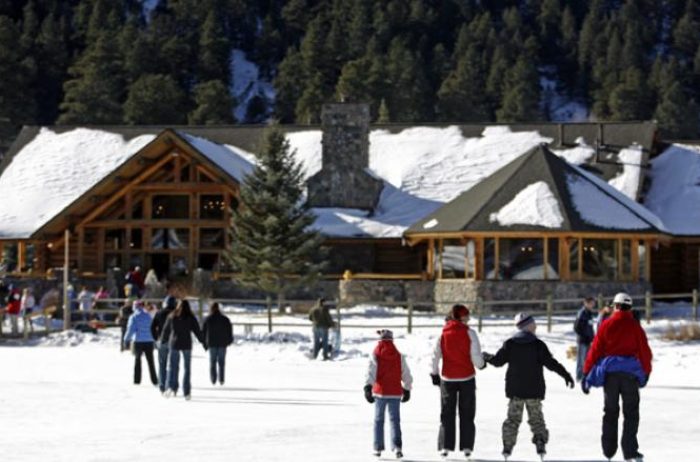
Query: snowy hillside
[{"x": 74, "y": 393}]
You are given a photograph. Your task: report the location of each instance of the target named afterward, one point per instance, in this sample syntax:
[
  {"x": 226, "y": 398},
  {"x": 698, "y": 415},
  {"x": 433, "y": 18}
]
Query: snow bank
[
  {"x": 535, "y": 205},
  {"x": 675, "y": 189},
  {"x": 55, "y": 169}
]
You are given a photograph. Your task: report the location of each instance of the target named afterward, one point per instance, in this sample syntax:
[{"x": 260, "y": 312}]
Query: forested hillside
[{"x": 171, "y": 61}]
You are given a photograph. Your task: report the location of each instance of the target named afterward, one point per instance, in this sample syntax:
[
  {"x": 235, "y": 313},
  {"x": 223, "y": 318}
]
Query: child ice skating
[
  {"x": 526, "y": 355},
  {"x": 387, "y": 385}
]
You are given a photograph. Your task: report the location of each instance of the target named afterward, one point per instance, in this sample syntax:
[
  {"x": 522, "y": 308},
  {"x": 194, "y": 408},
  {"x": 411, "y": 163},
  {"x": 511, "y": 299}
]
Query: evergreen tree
[
  {"x": 155, "y": 99},
  {"x": 272, "y": 247},
  {"x": 215, "y": 50},
  {"x": 13, "y": 105},
  {"x": 289, "y": 84},
  {"x": 629, "y": 100},
  {"x": 257, "y": 110},
  {"x": 53, "y": 61},
  {"x": 214, "y": 104},
  {"x": 677, "y": 115},
  {"x": 521, "y": 96},
  {"x": 409, "y": 99},
  {"x": 457, "y": 100},
  {"x": 308, "y": 109},
  {"x": 686, "y": 34},
  {"x": 384, "y": 115}
]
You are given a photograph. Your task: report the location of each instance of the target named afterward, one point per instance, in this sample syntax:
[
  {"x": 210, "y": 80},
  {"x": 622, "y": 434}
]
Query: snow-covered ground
[{"x": 69, "y": 397}]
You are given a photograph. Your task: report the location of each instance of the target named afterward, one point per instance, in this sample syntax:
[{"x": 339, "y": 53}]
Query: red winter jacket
[
  {"x": 14, "y": 303},
  {"x": 457, "y": 352},
  {"x": 620, "y": 335},
  {"x": 388, "y": 379}
]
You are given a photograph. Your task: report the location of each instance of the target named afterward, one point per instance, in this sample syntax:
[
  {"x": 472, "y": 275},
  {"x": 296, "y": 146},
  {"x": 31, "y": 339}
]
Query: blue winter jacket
[
  {"x": 139, "y": 325},
  {"x": 627, "y": 364}
]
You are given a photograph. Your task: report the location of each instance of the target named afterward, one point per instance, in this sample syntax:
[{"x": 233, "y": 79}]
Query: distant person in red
[
  {"x": 14, "y": 307},
  {"x": 135, "y": 278},
  {"x": 620, "y": 361}
]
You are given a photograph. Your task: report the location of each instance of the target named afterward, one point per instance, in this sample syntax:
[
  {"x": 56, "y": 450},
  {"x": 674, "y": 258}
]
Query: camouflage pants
[{"x": 515, "y": 416}]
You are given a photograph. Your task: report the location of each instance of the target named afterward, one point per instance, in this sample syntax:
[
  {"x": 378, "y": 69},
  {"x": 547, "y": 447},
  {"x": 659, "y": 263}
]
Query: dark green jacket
[{"x": 321, "y": 317}]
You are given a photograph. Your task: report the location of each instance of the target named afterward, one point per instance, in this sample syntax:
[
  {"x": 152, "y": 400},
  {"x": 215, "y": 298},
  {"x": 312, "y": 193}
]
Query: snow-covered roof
[{"x": 674, "y": 195}]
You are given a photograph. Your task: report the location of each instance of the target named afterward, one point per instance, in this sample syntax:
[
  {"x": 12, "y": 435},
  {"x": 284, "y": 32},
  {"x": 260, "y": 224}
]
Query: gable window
[
  {"x": 171, "y": 206},
  {"x": 212, "y": 207}
]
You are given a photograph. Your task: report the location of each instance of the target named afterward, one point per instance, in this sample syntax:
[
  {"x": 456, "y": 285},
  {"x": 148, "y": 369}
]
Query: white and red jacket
[
  {"x": 14, "y": 303},
  {"x": 388, "y": 372},
  {"x": 460, "y": 351}
]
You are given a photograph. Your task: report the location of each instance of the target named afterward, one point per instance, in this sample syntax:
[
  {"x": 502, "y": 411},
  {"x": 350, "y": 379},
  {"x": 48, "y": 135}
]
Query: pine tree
[
  {"x": 13, "y": 104},
  {"x": 214, "y": 104},
  {"x": 457, "y": 100},
  {"x": 629, "y": 100},
  {"x": 215, "y": 50},
  {"x": 686, "y": 34},
  {"x": 521, "y": 96},
  {"x": 677, "y": 115},
  {"x": 155, "y": 99},
  {"x": 272, "y": 248},
  {"x": 53, "y": 61},
  {"x": 289, "y": 84},
  {"x": 308, "y": 109},
  {"x": 384, "y": 115},
  {"x": 408, "y": 99}
]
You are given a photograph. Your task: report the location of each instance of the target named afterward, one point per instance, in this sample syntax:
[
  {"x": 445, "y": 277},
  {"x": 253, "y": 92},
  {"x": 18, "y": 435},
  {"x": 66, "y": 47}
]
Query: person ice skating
[
  {"x": 620, "y": 361},
  {"x": 125, "y": 311},
  {"x": 322, "y": 321},
  {"x": 139, "y": 329},
  {"x": 459, "y": 349},
  {"x": 387, "y": 384},
  {"x": 583, "y": 327},
  {"x": 526, "y": 355},
  {"x": 218, "y": 335},
  {"x": 178, "y": 330},
  {"x": 168, "y": 306}
]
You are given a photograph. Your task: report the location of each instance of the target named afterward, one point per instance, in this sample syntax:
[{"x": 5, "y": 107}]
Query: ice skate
[
  {"x": 443, "y": 453},
  {"x": 505, "y": 454},
  {"x": 637, "y": 458},
  {"x": 377, "y": 454},
  {"x": 468, "y": 454},
  {"x": 399, "y": 454},
  {"x": 540, "y": 446}
]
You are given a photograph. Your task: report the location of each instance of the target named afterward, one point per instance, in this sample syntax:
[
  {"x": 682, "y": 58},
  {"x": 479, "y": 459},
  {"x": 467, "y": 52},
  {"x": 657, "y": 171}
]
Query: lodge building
[{"x": 438, "y": 210}]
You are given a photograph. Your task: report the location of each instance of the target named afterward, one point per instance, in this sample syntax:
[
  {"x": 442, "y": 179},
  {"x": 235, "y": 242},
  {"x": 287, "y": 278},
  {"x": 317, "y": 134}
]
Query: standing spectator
[
  {"x": 169, "y": 305},
  {"x": 620, "y": 361},
  {"x": 322, "y": 321},
  {"x": 139, "y": 328},
  {"x": 387, "y": 384},
  {"x": 13, "y": 308},
  {"x": 125, "y": 311},
  {"x": 583, "y": 327},
  {"x": 526, "y": 355},
  {"x": 4, "y": 292},
  {"x": 85, "y": 301},
  {"x": 99, "y": 303},
  {"x": 27, "y": 304},
  {"x": 459, "y": 349},
  {"x": 178, "y": 330},
  {"x": 134, "y": 278},
  {"x": 153, "y": 288},
  {"x": 218, "y": 335}
]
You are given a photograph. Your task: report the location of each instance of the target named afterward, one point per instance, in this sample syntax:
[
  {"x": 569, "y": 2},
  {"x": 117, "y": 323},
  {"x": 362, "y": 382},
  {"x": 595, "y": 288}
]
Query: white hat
[
  {"x": 522, "y": 320},
  {"x": 622, "y": 299}
]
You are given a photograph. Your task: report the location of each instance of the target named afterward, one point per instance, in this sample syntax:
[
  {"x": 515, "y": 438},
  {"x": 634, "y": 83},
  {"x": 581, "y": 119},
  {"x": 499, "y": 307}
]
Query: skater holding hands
[
  {"x": 387, "y": 385},
  {"x": 526, "y": 355}
]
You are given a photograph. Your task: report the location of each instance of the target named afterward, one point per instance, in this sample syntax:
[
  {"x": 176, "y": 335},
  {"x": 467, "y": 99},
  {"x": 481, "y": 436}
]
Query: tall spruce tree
[
  {"x": 214, "y": 104},
  {"x": 677, "y": 115},
  {"x": 155, "y": 99},
  {"x": 272, "y": 248},
  {"x": 521, "y": 95}
]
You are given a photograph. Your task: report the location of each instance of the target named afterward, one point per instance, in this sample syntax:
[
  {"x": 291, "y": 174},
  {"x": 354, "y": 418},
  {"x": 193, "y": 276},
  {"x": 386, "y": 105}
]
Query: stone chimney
[{"x": 344, "y": 180}]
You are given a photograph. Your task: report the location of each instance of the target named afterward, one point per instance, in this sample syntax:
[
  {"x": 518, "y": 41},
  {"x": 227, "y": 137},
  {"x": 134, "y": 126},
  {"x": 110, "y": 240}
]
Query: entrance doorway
[{"x": 160, "y": 263}]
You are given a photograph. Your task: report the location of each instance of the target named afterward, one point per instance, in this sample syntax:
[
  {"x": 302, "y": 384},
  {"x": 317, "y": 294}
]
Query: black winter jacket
[
  {"x": 583, "y": 326},
  {"x": 178, "y": 332},
  {"x": 159, "y": 323},
  {"x": 320, "y": 316},
  {"x": 526, "y": 355},
  {"x": 217, "y": 331}
]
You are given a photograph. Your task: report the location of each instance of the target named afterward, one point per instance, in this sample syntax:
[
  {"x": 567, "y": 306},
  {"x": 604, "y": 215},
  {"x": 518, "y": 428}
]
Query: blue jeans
[
  {"x": 321, "y": 341},
  {"x": 175, "y": 365},
  {"x": 581, "y": 353},
  {"x": 217, "y": 356},
  {"x": 393, "y": 405},
  {"x": 162, "y": 365}
]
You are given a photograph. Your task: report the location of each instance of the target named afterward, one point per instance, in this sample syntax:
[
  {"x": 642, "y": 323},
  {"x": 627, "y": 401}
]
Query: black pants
[
  {"x": 453, "y": 396},
  {"x": 145, "y": 348},
  {"x": 619, "y": 384}
]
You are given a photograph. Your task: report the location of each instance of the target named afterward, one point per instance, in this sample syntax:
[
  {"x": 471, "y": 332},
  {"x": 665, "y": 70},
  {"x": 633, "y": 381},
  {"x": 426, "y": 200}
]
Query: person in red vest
[
  {"x": 387, "y": 385},
  {"x": 459, "y": 349},
  {"x": 14, "y": 307},
  {"x": 620, "y": 361}
]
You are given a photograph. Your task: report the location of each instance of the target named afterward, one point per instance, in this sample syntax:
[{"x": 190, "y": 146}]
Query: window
[
  {"x": 521, "y": 259},
  {"x": 211, "y": 238},
  {"x": 173, "y": 207},
  {"x": 169, "y": 238},
  {"x": 136, "y": 239},
  {"x": 453, "y": 259},
  {"x": 626, "y": 262},
  {"x": 490, "y": 258},
  {"x": 115, "y": 239},
  {"x": 574, "y": 258},
  {"x": 137, "y": 210},
  {"x": 208, "y": 261},
  {"x": 212, "y": 207},
  {"x": 552, "y": 259},
  {"x": 642, "y": 256},
  {"x": 600, "y": 259},
  {"x": 113, "y": 260}
]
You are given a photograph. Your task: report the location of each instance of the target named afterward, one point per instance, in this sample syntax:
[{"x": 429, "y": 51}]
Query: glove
[
  {"x": 584, "y": 387},
  {"x": 406, "y": 395},
  {"x": 132, "y": 347},
  {"x": 487, "y": 356},
  {"x": 368, "y": 394},
  {"x": 436, "y": 379},
  {"x": 569, "y": 381}
]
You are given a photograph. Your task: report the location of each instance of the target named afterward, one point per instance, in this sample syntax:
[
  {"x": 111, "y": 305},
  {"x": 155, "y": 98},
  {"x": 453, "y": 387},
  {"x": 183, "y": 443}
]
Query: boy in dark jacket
[
  {"x": 526, "y": 355},
  {"x": 218, "y": 335},
  {"x": 387, "y": 384},
  {"x": 322, "y": 321},
  {"x": 583, "y": 327}
]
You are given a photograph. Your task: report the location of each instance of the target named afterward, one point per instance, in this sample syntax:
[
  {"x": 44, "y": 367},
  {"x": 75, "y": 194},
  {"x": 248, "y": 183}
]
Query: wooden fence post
[
  {"x": 410, "y": 316},
  {"x": 269, "y": 314},
  {"x": 550, "y": 311},
  {"x": 600, "y": 301},
  {"x": 647, "y": 306},
  {"x": 695, "y": 305},
  {"x": 480, "y": 312}
]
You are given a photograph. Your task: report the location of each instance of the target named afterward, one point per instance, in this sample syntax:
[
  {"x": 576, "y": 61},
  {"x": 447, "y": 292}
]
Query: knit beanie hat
[
  {"x": 138, "y": 304},
  {"x": 459, "y": 311},
  {"x": 522, "y": 320},
  {"x": 385, "y": 334}
]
